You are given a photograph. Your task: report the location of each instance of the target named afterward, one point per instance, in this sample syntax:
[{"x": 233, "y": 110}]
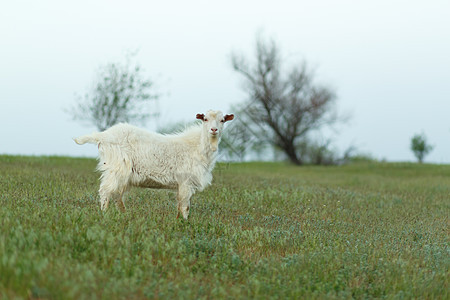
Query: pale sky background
[{"x": 389, "y": 62}]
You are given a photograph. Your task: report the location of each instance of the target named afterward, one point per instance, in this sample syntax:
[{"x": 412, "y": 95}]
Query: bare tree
[
  {"x": 120, "y": 93},
  {"x": 283, "y": 107}
]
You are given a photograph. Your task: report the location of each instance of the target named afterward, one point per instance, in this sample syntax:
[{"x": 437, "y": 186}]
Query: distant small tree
[
  {"x": 420, "y": 147},
  {"x": 119, "y": 94}
]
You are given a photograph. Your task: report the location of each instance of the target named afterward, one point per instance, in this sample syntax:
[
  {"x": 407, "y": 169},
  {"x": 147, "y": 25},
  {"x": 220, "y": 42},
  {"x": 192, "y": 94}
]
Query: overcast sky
[{"x": 389, "y": 62}]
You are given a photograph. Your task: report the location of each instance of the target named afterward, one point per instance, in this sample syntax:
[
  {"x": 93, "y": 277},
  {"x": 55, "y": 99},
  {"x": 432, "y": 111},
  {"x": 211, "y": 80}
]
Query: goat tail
[{"x": 93, "y": 138}]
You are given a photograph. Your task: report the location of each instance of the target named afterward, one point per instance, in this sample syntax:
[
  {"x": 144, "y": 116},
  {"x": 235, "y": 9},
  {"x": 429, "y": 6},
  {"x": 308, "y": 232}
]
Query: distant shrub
[
  {"x": 361, "y": 158},
  {"x": 317, "y": 153},
  {"x": 420, "y": 146}
]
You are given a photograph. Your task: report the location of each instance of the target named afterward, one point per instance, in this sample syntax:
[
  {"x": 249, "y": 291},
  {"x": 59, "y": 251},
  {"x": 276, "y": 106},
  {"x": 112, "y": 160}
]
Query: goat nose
[{"x": 214, "y": 129}]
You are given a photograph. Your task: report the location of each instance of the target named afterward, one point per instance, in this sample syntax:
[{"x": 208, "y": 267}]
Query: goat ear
[
  {"x": 228, "y": 117},
  {"x": 200, "y": 117}
]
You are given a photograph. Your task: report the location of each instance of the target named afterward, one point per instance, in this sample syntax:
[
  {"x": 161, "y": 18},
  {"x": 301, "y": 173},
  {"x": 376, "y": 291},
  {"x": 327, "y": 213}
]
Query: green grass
[{"x": 262, "y": 230}]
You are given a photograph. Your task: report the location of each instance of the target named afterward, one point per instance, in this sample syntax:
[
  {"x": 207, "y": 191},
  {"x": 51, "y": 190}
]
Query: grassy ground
[{"x": 262, "y": 230}]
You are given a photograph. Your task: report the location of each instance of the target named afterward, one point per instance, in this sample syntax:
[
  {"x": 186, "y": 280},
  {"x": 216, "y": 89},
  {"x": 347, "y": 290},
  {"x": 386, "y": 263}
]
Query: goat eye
[
  {"x": 206, "y": 120},
  {"x": 222, "y": 121}
]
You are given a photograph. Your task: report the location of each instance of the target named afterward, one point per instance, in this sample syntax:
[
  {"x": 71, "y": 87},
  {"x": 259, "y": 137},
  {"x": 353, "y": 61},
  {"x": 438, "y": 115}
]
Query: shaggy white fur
[{"x": 129, "y": 156}]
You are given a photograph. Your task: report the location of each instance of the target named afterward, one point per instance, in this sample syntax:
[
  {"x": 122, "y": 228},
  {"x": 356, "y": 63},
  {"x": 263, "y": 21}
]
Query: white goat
[{"x": 129, "y": 156}]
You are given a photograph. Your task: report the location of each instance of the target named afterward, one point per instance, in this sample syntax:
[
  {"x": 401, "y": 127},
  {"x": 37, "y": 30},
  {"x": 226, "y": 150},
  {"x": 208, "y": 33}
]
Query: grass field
[{"x": 262, "y": 230}]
